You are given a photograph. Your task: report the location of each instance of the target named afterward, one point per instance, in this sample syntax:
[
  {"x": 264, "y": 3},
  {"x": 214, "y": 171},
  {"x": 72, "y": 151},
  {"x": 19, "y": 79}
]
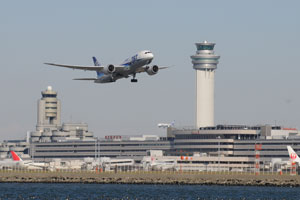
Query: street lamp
[
  {"x": 218, "y": 152},
  {"x": 96, "y": 147}
]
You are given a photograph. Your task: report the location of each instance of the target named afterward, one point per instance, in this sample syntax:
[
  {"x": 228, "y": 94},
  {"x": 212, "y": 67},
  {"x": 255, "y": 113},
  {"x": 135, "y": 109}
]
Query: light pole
[
  {"x": 218, "y": 152},
  {"x": 96, "y": 146}
]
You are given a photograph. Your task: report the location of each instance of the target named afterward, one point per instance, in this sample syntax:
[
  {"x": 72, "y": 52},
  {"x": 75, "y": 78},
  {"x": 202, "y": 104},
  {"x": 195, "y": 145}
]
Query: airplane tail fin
[
  {"x": 15, "y": 156},
  {"x": 96, "y": 63},
  {"x": 293, "y": 155}
]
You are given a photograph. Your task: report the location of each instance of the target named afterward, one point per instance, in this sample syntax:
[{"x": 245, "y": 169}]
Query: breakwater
[{"x": 183, "y": 178}]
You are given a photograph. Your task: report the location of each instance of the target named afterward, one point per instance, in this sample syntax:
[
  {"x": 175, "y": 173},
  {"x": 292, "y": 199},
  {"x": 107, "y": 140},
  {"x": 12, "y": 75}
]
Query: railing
[{"x": 247, "y": 170}]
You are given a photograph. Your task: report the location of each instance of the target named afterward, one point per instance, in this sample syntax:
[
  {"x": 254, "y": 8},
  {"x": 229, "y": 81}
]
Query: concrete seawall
[{"x": 151, "y": 178}]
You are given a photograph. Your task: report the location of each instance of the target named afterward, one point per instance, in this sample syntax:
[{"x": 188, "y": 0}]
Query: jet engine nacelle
[
  {"x": 152, "y": 70},
  {"x": 109, "y": 69}
]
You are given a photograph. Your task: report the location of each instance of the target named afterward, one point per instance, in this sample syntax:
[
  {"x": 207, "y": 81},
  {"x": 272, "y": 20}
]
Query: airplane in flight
[
  {"x": 293, "y": 155},
  {"x": 110, "y": 73}
]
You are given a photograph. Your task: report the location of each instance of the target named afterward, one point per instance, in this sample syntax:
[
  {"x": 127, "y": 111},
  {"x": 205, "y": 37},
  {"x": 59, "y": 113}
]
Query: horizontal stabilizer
[{"x": 85, "y": 79}]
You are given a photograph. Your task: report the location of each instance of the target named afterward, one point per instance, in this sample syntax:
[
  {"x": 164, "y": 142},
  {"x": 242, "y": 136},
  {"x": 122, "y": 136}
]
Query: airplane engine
[
  {"x": 152, "y": 70},
  {"x": 109, "y": 69}
]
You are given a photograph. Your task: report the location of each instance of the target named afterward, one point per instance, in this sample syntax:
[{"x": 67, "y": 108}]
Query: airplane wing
[
  {"x": 163, "y": 67},
  {"x": 119, "y": 69},
  {"x": 86, "y": 68},
  {"x": 85, "y": 79}
]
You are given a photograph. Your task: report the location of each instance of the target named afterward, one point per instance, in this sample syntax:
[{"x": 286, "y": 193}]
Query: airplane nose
[{"x": 151, "y": 58}]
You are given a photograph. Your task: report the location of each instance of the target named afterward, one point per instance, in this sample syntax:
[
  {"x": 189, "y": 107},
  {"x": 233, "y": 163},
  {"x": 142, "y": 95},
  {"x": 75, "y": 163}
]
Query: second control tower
[
  {"x": 48, "y": 110},
  {"x": 205, "y": 63}
]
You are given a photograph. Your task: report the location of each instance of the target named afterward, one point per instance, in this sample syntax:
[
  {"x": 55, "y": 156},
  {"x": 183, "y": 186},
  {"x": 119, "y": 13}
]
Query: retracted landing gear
[{"x": 134, "y": 80}]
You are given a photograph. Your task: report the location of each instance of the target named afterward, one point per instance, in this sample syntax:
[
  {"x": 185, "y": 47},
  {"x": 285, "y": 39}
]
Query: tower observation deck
[{"x": 205, "y": 62}]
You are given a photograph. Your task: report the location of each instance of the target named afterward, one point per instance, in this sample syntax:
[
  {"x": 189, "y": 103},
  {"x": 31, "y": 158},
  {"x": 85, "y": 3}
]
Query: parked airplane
[
  {"x": 158, "y": 163},
  {"x": 110, "y": 164},
  {"x": 110, "y": 73},
  {"x": 9, "y": 163},
  {"x": 28, "y": 163},
  {"x": 163, "y": 164},
  {"x": 293, "y": 155},
  {"x": 163, "y": 125},
  {"x": 16, "y": 161}
]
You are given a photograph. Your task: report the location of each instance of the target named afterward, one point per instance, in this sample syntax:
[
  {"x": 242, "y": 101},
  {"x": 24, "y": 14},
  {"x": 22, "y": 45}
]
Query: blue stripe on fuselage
[
  {"x": 99, "y": 74},
  {"x": 131, "y": 62}
]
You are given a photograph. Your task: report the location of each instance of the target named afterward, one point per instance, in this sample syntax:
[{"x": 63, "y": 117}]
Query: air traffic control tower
[
  {"x": 48, "y": 110},
  {"x": 205, "y": 63}
]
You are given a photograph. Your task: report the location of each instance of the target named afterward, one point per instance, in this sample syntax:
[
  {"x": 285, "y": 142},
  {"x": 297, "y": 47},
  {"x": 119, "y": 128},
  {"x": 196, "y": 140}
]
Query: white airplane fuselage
[
  {"x": 10, "y": 163},
  {"x": 138, "y": 60},
  {"x": 131, "y": 66},
  {"x": 16, "y": 161}
]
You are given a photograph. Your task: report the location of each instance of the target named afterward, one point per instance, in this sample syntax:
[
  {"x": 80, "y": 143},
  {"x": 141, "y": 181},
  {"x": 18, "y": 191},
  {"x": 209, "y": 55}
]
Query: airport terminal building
[
  {"x": 225, "y": 141},
  {"x": 73, "y": 141}
]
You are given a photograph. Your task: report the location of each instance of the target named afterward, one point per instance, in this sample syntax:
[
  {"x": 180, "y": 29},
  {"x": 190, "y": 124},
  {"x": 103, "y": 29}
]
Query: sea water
[{"x": 131, "y": 191}]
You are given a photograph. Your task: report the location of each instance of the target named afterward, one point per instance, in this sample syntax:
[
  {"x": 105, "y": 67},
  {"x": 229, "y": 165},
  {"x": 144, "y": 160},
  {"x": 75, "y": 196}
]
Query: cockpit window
[{"x": 147, "y": 52}]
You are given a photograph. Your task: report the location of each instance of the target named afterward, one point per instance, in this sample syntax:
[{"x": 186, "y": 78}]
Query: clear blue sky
[{"x": 257, "y": 80}]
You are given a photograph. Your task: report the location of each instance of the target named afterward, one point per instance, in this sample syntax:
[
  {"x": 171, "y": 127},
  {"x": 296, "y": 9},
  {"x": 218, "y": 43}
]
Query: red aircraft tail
[{"x": 15, "y": 156}]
